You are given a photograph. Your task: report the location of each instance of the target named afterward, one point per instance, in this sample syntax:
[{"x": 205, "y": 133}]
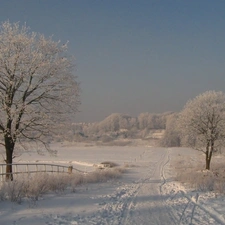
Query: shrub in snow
[
  {"x": 189, "y": 173},
  {"x": 106, "y": 138},
  {"x": 59, "y": 182},
  {"x": 76, "y": 179},
  {"x": 35, "y": 185},
  {"x": 220, "y": 186},
  {"x": 205, "y": 181},
  {"x": 104, "y": 174},
  {"x": 13, "y": 191}
]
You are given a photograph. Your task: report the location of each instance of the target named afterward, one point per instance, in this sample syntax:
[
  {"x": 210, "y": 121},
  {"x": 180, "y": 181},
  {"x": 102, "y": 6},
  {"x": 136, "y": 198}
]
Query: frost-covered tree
[
  {"x": 202, "y": 123},
  {"x": 37, "y": 87},
  {"x": 152, "y": 121},
  {"x": 171, "y": 137},
  {"x": 113, "y": 123}
]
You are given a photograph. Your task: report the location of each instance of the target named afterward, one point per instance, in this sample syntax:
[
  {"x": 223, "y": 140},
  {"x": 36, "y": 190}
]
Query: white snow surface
[{"x": 146, "y": 194}]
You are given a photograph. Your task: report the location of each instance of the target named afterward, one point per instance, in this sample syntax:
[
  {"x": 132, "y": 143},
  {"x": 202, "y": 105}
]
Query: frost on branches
[
  {"x": 37, "y": 86},
  {"x": 202, "y": 123}
]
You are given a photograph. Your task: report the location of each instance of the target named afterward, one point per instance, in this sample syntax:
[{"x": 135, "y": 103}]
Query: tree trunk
[
  {"x": 208, "y": 159},
  {"x": 9, "y": 147},
  {"x": 9, "y": 175},
  {"x": 209, "y": 152}
]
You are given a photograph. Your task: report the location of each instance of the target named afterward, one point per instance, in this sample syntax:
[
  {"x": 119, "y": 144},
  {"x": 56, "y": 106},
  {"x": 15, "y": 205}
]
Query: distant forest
[{"x": 125, "y": 127}]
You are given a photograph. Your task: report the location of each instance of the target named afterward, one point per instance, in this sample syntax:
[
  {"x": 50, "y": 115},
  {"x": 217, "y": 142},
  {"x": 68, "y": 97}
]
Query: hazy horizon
[{"x": 133, "y": 56}]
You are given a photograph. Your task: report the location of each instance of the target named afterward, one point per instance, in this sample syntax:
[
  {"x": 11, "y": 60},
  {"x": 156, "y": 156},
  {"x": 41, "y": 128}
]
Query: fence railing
[{"x": 20, "y": 168}]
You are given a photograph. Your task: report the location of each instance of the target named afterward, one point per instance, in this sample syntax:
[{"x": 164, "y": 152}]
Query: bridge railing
[{"x": 22, "y": 168}]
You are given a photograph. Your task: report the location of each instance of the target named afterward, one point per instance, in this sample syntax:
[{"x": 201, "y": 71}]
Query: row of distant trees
[{"x": 117, "y": 122}]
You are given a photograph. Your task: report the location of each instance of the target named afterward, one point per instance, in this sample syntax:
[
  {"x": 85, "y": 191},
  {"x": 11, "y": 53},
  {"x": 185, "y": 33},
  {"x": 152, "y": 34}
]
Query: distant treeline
[
  {"x": 117, "y": 122},
  {"x": 119, "y": 125}
]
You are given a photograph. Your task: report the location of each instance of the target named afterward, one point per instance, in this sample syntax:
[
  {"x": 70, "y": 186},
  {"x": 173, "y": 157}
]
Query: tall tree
[
  {"x": 37, "y": 87},
  {"x": 202, "y": 123}
]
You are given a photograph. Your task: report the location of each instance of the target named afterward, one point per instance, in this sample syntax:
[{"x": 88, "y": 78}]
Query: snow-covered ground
[{"x": 146, "y": 194}]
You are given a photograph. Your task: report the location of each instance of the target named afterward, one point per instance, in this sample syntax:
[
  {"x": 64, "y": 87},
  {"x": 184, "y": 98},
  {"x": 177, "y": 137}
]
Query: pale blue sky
[{"x": 133, "y": 56}]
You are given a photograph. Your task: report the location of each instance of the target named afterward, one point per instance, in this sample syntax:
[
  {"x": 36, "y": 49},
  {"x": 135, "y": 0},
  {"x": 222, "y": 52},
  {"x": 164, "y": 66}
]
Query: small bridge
[{"x": 29, "y": 168}]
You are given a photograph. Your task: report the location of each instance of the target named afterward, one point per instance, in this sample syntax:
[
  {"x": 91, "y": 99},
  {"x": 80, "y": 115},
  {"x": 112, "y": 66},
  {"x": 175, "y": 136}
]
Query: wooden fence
[{"x": 21, "y": 168}]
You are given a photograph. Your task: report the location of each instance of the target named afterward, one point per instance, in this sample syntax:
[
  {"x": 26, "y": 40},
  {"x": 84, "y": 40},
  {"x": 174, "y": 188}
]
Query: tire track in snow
[
  {"x": 127, "y": 212},
  {"x": 155, "y": 172},
  {"x": 192, "y": 207},
  {"x": 183, "y": 212},
  {"x": 189, "y": 205},
  {"x": 131, "y": 204},
  {"x": 163, "y": 173},
  {"x": 125, "y": 201},
  {"x": 192, "y": 210},
  {"x": 163, "y": 176},
  {"x": 114, "y": 208},
  {"x": 212, "y": 213}
]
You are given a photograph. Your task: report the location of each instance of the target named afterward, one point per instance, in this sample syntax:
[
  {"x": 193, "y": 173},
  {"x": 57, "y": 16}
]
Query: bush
[
  {"x": 106, "y": 138},
  {"x": 202, "y": 180},
  {"x": 76, "y": 179},
  {"x": 12, "y": 190},
  {"x": 36, "y": 185}
]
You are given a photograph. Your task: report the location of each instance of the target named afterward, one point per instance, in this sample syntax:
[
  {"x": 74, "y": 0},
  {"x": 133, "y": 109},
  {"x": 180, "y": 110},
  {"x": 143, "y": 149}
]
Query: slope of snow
[{"x": 146, "y": 194}]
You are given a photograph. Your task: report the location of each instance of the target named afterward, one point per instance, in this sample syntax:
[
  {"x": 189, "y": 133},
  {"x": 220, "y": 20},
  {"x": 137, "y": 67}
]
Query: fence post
[{"x": 70, "y": 169}]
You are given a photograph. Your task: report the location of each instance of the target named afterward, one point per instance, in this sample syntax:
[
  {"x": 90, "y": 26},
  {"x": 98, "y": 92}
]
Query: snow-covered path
[
  {"x": 147, "y": 194},
  {"x": 148, "y": 205}
]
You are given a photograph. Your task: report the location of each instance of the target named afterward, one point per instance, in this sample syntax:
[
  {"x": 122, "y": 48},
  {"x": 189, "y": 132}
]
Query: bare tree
[
  {"x": 202, "y": 123},
  {"x": 37, "y": 87}
]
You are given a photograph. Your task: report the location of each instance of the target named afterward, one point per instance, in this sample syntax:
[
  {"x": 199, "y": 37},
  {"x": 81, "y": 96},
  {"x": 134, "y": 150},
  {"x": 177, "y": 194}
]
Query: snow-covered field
[{"x": 146, "y": 194}]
